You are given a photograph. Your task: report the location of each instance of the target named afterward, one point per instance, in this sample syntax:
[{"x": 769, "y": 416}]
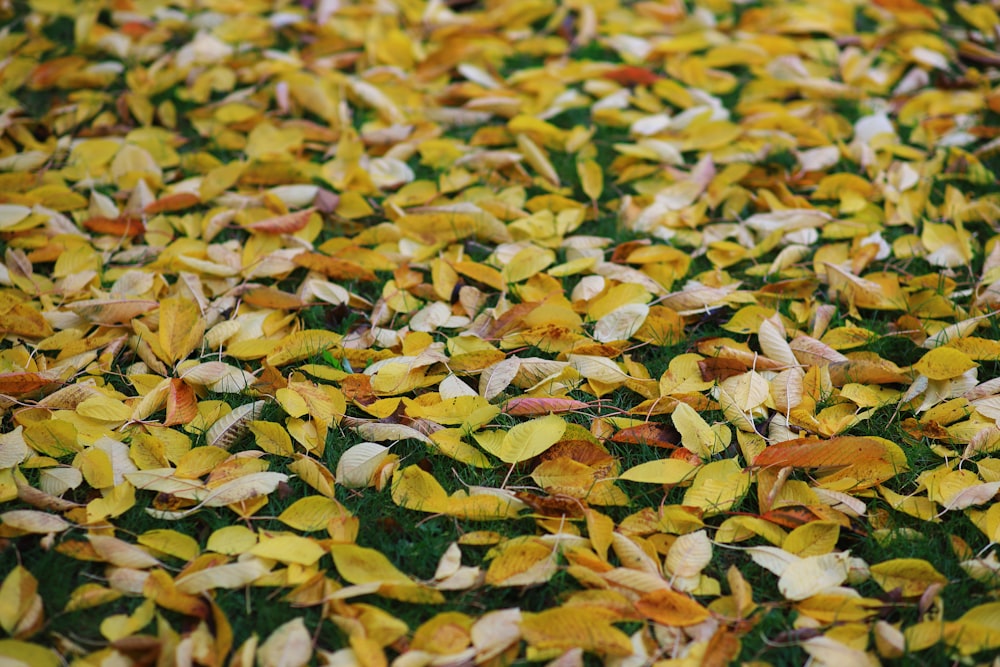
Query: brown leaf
[{"x": 332, "y": 267}]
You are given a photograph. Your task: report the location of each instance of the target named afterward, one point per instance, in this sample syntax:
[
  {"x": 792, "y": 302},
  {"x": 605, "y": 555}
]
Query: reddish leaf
[
  {"x": 791, "y": 517},
  {"x": 631, "y": 75},
  {"x": 182, "y": 403},
  {"x": 121, "y": 226},
  {"x": 720, "y": 368},
  {"x": 552, "y": 505},
  {"x": 654, "y": 435},
  {"x": 175, "y": 202}
]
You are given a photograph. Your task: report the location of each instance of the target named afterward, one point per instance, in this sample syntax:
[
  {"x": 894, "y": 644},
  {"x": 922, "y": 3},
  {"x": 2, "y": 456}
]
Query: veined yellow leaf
[{"x": 531, "y": 438}]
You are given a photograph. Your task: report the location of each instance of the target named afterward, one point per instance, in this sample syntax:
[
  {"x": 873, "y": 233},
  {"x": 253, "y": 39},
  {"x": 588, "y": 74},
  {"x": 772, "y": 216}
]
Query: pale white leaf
[
  {"x": 597, "y": 368},
  {"x": 972, "y": 495},
  {"x": 34, "y": 521},
  {"x": 122, "y": 554},
  {"x": 621, "y": 323},
  {"x": 808, "y": 576},
  {"x": 359, "y": 465},
  {"x": 228, "y": 429},
  {"x": 494, "y": 632},
  {"x": 824, "y": 650},
  {"x": 494, "y": 379},
  {"x": 453, "y": 387},
  {"x": 773, "y": 342},
  {"x": 243, "y": 488},
  {"x": 430, "y": 317},
  {"x": 324, "y": 291},
  {"x": 289, "y": 646},
  {"x": 11, "y": 214},
  {"x": 689, "y": 555},
  {"x": 748, "y": 390},
  {"x": 231, "y": 575},
  {"x": 384, "y": 432},
  {"x": 772, "y": 558}
]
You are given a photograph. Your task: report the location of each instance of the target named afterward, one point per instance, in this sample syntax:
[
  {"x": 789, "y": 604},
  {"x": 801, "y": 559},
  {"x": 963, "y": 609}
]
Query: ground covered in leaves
[{"x": 429, "y": 333}]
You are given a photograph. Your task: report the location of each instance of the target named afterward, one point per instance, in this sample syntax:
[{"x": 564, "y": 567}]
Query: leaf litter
[{"x": 254, "y": 252}]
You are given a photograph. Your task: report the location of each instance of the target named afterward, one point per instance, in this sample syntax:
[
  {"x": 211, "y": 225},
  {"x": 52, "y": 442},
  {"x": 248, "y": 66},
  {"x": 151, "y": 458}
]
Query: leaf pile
[{"x": 669, "y": 316}]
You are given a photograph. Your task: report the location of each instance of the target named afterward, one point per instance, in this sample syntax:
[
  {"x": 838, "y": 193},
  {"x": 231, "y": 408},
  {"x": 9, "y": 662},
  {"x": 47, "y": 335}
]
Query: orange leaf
[
  {"x": 160, "y": 587},
  {"x": 333, "y": 267},
  {"x": 175, "y": 202},
  {"x": 668, "y": 607},
  {"x": 269, "y": 297},
  {"x": 18, "y": 384},
  {"x": 182, "y": 404},
  {"x": 840, "y": 452},
  {"x": 125, "y": 225},
  {"x": 21, "y": 319},
  {"x": 653, "y": 435},
  {"x": 631, "y": 75},
  {"x": 283, "y": 224}
]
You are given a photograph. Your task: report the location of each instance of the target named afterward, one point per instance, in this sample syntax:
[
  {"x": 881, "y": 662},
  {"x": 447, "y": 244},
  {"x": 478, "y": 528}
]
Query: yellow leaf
[
  {"x": 302, "y": 345},
  {"x": 446, "y": 633},
  {"x": 670, "y": 608},
  {"x": 360, "y": 565},
  {"x": 591, "y": 178},
  {"x": 696, "y": 435},
  {"x": 531, "y": 438},
  {"x": 911, "y": 575},
  {"x": 448, "y": 441},
  {"x": 311, "y": 513},
  {"x": 231, "y": 540},
  {"x": 944, "y": 363},
  {"x": 416, "y": 489},
  {"x": 11, "y": 214},
  {"x": 314, "y": 474},
  {"x": 272, "y": 438},
  {"x": 812, "y": 539},
  {"x": 86, "y": 596},
  {"x": 95, "y": 465},
  {"x": 838, "y": 608},
  {"x": 288, "y": 549},
  {"x": 171, "y": 543},
  {"x": 599, "y": 529},
  {"x": 120, "y": 626},
  {"x": 104, "y": 408},
  {"x": 181, "y": 328},
  {"x": 660, "y": 471},
  {"x": 18, "y": 595},
  {"x": 557, "y": 630},
  {"x": 717, "y": 486},
  {"x": 980, "y": 628},
  {"x": 23, "y": 653},
  {"x": 232, "y": 575}
]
